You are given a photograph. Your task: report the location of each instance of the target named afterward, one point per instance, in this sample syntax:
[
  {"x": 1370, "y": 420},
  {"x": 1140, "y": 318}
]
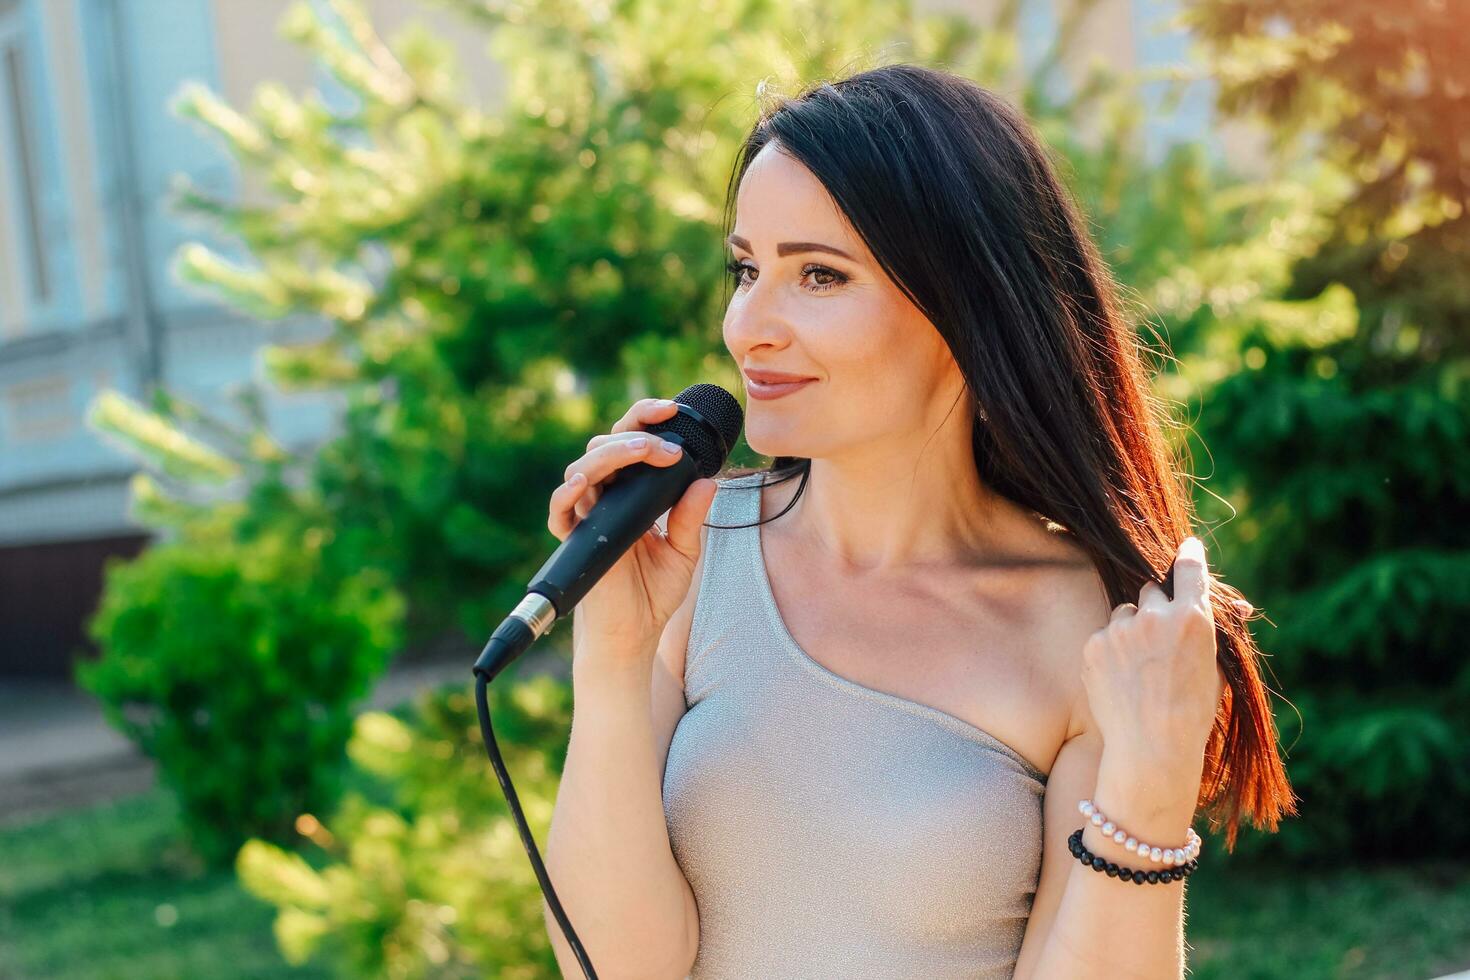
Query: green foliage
[
  {"x": 1351, "y": 498},
  {"x": 437, "y": 883},
  {"x": 1376, "y": 92},
  {"x": 497, "y": 285},
  {"x": 1338, "y": 426},
  {"x": 500, "y": 284},
  {"x": 236, "y": 664}
]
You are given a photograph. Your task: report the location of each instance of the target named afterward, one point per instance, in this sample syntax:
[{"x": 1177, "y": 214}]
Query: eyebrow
[{"x": 792, "y": 248}]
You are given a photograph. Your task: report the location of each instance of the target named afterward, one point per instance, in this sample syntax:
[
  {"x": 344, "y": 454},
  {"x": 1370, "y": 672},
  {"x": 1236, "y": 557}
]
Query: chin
[{"x": 775, "y": 441}]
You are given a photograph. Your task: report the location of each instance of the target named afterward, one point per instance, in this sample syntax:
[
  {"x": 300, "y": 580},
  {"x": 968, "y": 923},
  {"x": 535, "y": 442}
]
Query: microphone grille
[{"x": 708, "y": 445}]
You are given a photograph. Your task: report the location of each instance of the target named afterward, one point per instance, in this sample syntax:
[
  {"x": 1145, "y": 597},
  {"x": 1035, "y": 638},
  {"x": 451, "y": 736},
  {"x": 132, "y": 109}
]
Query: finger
[
  {"x": 1152, "y": 597},
  {"x": 1243, "y": 607},
  {"x": 1191, "y": 575},
  {"x": 603, "y": 438},
  {"x": 587, "y": 501},
  {"x": 1124, "y": 611},
  {"x": 612, "y": 456},
  {"x": 688, "y": 514},
  {"x": 559, "y": 520},
  {"x": 644, "y": 411}
]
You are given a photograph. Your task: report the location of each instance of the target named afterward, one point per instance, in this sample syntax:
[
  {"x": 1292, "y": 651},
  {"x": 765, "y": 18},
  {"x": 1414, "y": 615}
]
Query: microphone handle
[{"x": 626, "y": 508}]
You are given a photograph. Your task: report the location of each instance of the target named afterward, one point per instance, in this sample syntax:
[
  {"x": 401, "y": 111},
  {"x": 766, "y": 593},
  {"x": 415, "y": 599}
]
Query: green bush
[
  {"x": 1354, "y": 525},
  {"x": 1340, "y": 421},
  {"x": 437, "y": 882},
  {"x": 236, "y": 665}
]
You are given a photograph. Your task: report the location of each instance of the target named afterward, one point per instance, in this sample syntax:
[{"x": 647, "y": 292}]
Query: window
[
  {"x": 40, "y": 409},
  {"x": 22, "y": 140}
]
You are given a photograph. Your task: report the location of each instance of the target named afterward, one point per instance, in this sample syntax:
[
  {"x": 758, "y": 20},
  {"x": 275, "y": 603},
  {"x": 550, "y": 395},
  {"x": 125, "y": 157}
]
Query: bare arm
[
  {"x": 1153, "y": 686},
  {"x": 608, "y": 851},
  {"x": 1084, "y": 924}
]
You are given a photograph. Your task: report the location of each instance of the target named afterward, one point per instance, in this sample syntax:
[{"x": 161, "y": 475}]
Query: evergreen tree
[{"x": 1343, "y": 442}]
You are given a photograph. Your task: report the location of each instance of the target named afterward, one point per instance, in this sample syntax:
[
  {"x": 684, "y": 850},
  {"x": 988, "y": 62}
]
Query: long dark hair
[{"x": 957, "y": 199}]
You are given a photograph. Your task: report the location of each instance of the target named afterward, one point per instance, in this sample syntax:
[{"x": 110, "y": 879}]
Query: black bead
[
  {"x": 1138, "y": 877},
  {"x": 1098, "y": 863},
  {"x": 1112, "y": 870},
  {"x": 1153, "y": 877}
]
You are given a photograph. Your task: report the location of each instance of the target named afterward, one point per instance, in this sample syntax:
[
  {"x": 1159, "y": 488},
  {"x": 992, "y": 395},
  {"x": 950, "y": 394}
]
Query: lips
[
  {"x": 773, "y": 384},
  {"x": 775, "y": 377}
]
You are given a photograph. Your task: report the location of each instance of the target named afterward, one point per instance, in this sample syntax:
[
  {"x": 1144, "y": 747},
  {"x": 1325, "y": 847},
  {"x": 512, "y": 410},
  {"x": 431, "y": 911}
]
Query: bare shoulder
[{"x": 1069, "y": 604}]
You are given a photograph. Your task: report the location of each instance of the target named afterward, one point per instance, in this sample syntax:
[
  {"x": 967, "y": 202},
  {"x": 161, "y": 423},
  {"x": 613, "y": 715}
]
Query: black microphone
[{"x": 706, "y": 423}]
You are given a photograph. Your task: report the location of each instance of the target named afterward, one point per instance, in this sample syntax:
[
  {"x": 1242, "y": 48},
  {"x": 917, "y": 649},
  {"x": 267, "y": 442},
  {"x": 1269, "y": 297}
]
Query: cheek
[{"x": 886, "y": 364}]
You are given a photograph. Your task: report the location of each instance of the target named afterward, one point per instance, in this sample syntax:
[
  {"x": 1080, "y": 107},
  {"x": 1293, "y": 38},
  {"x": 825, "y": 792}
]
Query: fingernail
[
  {"x": 664, "y": 402},
  {"x": 577, "y": 478},
  {"x": 670, "y": 447},
  {"x": 638, "y": 442},
  {"x": 1194, "y": 546}
]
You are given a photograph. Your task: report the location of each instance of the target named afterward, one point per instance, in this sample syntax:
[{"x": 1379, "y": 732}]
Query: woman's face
[{"x": 882, "y": 372}]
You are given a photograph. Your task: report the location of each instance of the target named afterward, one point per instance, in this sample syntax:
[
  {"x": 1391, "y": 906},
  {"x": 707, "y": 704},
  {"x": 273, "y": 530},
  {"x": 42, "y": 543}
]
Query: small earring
[{"x": 983, "y": 416}]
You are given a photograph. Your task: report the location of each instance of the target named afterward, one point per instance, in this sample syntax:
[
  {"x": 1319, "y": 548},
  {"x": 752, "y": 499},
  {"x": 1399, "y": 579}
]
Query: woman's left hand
[{"x": 1152, "y": 676}]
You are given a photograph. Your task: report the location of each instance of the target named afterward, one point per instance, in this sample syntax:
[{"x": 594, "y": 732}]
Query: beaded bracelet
[
  {"x": 1137, "y": 876},
  {"x": 1166, "y": 855}
]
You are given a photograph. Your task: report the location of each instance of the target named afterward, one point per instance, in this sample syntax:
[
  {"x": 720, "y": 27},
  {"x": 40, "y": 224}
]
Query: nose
[{"x": 755, "y": 319}]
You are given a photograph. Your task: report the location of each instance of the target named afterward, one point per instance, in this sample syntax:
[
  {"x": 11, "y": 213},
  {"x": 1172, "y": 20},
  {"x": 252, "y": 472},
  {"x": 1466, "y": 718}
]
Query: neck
[{"x": 881, "y": 507}]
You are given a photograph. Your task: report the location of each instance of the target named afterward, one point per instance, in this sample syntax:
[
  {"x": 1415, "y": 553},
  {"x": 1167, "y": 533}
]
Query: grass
[
  {"x": 108, "y": 893},
  {"x": 1395, "y": 922}
]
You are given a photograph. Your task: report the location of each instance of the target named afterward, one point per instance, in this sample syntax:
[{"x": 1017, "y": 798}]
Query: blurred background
[{"x": 305, "y": 306}]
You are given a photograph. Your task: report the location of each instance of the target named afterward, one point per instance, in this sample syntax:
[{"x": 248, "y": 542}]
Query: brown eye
[
  {"x": 836, "y": 278},
  {"x": 736, "y": 270}
]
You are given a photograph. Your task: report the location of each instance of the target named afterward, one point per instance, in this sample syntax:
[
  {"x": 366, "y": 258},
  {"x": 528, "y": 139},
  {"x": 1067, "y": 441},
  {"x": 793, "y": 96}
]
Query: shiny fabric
[{"x": 829, "y": 829}]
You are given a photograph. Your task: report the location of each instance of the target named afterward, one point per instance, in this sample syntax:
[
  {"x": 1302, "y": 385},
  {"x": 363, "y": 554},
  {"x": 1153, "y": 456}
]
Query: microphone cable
[{"x": 482, "y": 706}]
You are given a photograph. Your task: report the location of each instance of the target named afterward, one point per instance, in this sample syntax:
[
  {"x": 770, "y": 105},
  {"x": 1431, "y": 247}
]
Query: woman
[{"x": 857, "y": 741}]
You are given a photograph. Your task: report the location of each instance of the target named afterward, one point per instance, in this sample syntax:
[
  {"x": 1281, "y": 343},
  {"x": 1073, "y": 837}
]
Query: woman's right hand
[{"x": 624, "y": 613}]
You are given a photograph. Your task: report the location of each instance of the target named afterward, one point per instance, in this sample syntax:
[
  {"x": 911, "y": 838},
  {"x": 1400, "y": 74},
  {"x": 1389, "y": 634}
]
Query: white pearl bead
[
  {"x": 1119, "y": 836},
  {"x": 1169, "y": 856},
  {"x": 1155, "y": 854},
  {"x": 1086, "y": 807},
  {"x": 1132, "y": 844},
  {"x": 1097, "y": 819},
  {"x": 1109, "y": 827}
]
